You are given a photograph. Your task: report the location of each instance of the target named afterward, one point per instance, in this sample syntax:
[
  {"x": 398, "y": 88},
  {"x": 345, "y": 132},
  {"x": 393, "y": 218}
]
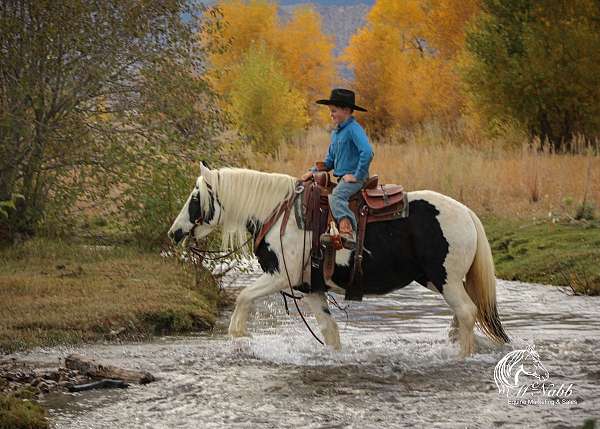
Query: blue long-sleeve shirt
[{"x": 349, "y": 151}]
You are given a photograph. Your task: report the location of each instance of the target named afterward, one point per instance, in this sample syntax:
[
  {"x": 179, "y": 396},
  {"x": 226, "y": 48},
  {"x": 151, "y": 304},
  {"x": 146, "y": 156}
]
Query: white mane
[
  {"x": 204, "y": 196},
  {"x": 246, "y": 195}
]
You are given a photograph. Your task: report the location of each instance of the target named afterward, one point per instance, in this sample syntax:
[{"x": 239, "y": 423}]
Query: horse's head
[
  {"x": 201, "y": 212},
  {"x": 533, "y": 366}
]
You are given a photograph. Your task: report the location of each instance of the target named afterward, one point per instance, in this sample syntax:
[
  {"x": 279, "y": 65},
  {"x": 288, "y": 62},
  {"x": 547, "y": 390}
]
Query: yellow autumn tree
[
  {"x": 404, "y": 62},
  {"x": 446, "y": 32},
  {"x": 304, "y": 52},
  {"x": 262, "y": 102},
  {"x": 446, "y": 22},
  {"x": 231, "y": 27}
]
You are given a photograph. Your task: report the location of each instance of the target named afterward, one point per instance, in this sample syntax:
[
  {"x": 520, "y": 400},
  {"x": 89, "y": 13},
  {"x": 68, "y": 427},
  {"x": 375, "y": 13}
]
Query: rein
[
  {"x": 202, "y": 252},
  {"x": 291, "y": 294},
  {"x": 284, "y": 209}
]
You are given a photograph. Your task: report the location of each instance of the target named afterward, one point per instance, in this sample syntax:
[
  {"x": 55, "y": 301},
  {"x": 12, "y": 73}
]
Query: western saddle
[{"x": 372, "y": 203}]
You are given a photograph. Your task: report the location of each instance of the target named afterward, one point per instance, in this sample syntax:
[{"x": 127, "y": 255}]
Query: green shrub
[
  {"x": 152, "y": 202},
  {"x": 585, "y": 211}
]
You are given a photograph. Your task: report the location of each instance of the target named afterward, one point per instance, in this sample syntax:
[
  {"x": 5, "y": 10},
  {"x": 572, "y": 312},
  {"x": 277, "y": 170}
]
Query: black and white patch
[
  {"x": 195, "y": 208},
  {"x": 267, "y": 259},
  {"x": 402, "y": 251}
]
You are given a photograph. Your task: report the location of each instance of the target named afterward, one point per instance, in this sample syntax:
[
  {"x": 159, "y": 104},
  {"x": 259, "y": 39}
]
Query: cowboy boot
[{"x": 347, "y": 234}]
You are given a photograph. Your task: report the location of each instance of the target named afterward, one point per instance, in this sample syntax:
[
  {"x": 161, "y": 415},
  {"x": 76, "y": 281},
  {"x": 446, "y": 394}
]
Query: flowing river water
[{"x": 397, "y": 369}]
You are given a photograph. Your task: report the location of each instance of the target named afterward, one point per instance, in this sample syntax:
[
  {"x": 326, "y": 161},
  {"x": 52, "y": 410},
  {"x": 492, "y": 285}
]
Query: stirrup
[
  {"x": 348, "y": 241},
  {"x": 330, "y": 240}
]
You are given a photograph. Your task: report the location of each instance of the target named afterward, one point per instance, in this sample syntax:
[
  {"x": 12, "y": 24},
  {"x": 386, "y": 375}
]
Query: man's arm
[{"x": 360, "y": 139}]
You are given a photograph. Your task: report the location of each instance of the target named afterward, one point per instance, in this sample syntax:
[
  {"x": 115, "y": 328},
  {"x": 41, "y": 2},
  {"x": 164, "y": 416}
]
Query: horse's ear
[{"x": 204, "y": 170}]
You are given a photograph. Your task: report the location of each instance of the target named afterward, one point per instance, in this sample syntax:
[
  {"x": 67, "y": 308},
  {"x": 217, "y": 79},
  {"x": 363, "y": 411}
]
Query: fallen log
[{"x": 93, "y": 369}]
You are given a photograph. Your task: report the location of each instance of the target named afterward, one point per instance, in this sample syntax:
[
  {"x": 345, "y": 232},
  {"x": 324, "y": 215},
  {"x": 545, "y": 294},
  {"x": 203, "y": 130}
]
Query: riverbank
[
  {"x": 19, "y": 412},
  {"x": 55, "y": 293},
  {"x": 545, "y": 251}
]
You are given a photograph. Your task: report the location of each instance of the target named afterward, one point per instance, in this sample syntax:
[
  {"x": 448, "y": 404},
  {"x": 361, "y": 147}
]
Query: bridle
[{"x": 201, "y": 253}]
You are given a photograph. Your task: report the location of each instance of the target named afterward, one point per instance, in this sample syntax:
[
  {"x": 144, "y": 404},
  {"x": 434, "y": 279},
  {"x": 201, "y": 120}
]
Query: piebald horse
[{"x": 441, "y": 245}]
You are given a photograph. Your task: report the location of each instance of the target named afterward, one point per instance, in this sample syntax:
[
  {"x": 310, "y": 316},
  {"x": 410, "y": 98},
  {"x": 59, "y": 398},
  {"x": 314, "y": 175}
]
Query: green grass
[
  {"x": 566, "y": 254},
  {"x": 17, "y": 413},
  {"x": 54, "y": 292}
]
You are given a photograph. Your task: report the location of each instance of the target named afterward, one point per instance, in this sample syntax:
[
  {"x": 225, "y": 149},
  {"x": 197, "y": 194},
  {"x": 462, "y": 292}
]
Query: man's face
[{"x": 339, "y": 114}]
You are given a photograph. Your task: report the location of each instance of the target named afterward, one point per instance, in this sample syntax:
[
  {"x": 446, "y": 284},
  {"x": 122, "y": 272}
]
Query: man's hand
[
  {"x": 307, "y": 175},
  {"x": 349, "y": 178}
]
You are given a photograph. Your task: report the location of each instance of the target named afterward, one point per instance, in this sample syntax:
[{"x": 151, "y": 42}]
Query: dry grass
[
  {"x": 55, "y": 293},
  {"x": 490, "y": 179}
]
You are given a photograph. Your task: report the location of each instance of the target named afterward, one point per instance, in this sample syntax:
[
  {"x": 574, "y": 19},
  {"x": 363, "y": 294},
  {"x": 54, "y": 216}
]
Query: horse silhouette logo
[{"x": 520, "y": 370}]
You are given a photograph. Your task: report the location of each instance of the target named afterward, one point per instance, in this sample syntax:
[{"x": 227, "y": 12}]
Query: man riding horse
[
  {"x": 349, "y": 155},
  {"x": 440, "y": 244}
]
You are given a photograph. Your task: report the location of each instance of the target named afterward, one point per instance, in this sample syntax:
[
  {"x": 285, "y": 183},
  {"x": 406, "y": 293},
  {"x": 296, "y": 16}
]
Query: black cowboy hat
[{"x": 342, "y": 97}]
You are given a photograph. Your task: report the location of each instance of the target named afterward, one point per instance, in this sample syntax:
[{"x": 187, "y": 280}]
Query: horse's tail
[{"x": 481, "y": 286}]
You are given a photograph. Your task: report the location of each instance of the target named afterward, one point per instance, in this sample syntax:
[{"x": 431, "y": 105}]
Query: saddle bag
[{"x": 384, "y": 199}]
